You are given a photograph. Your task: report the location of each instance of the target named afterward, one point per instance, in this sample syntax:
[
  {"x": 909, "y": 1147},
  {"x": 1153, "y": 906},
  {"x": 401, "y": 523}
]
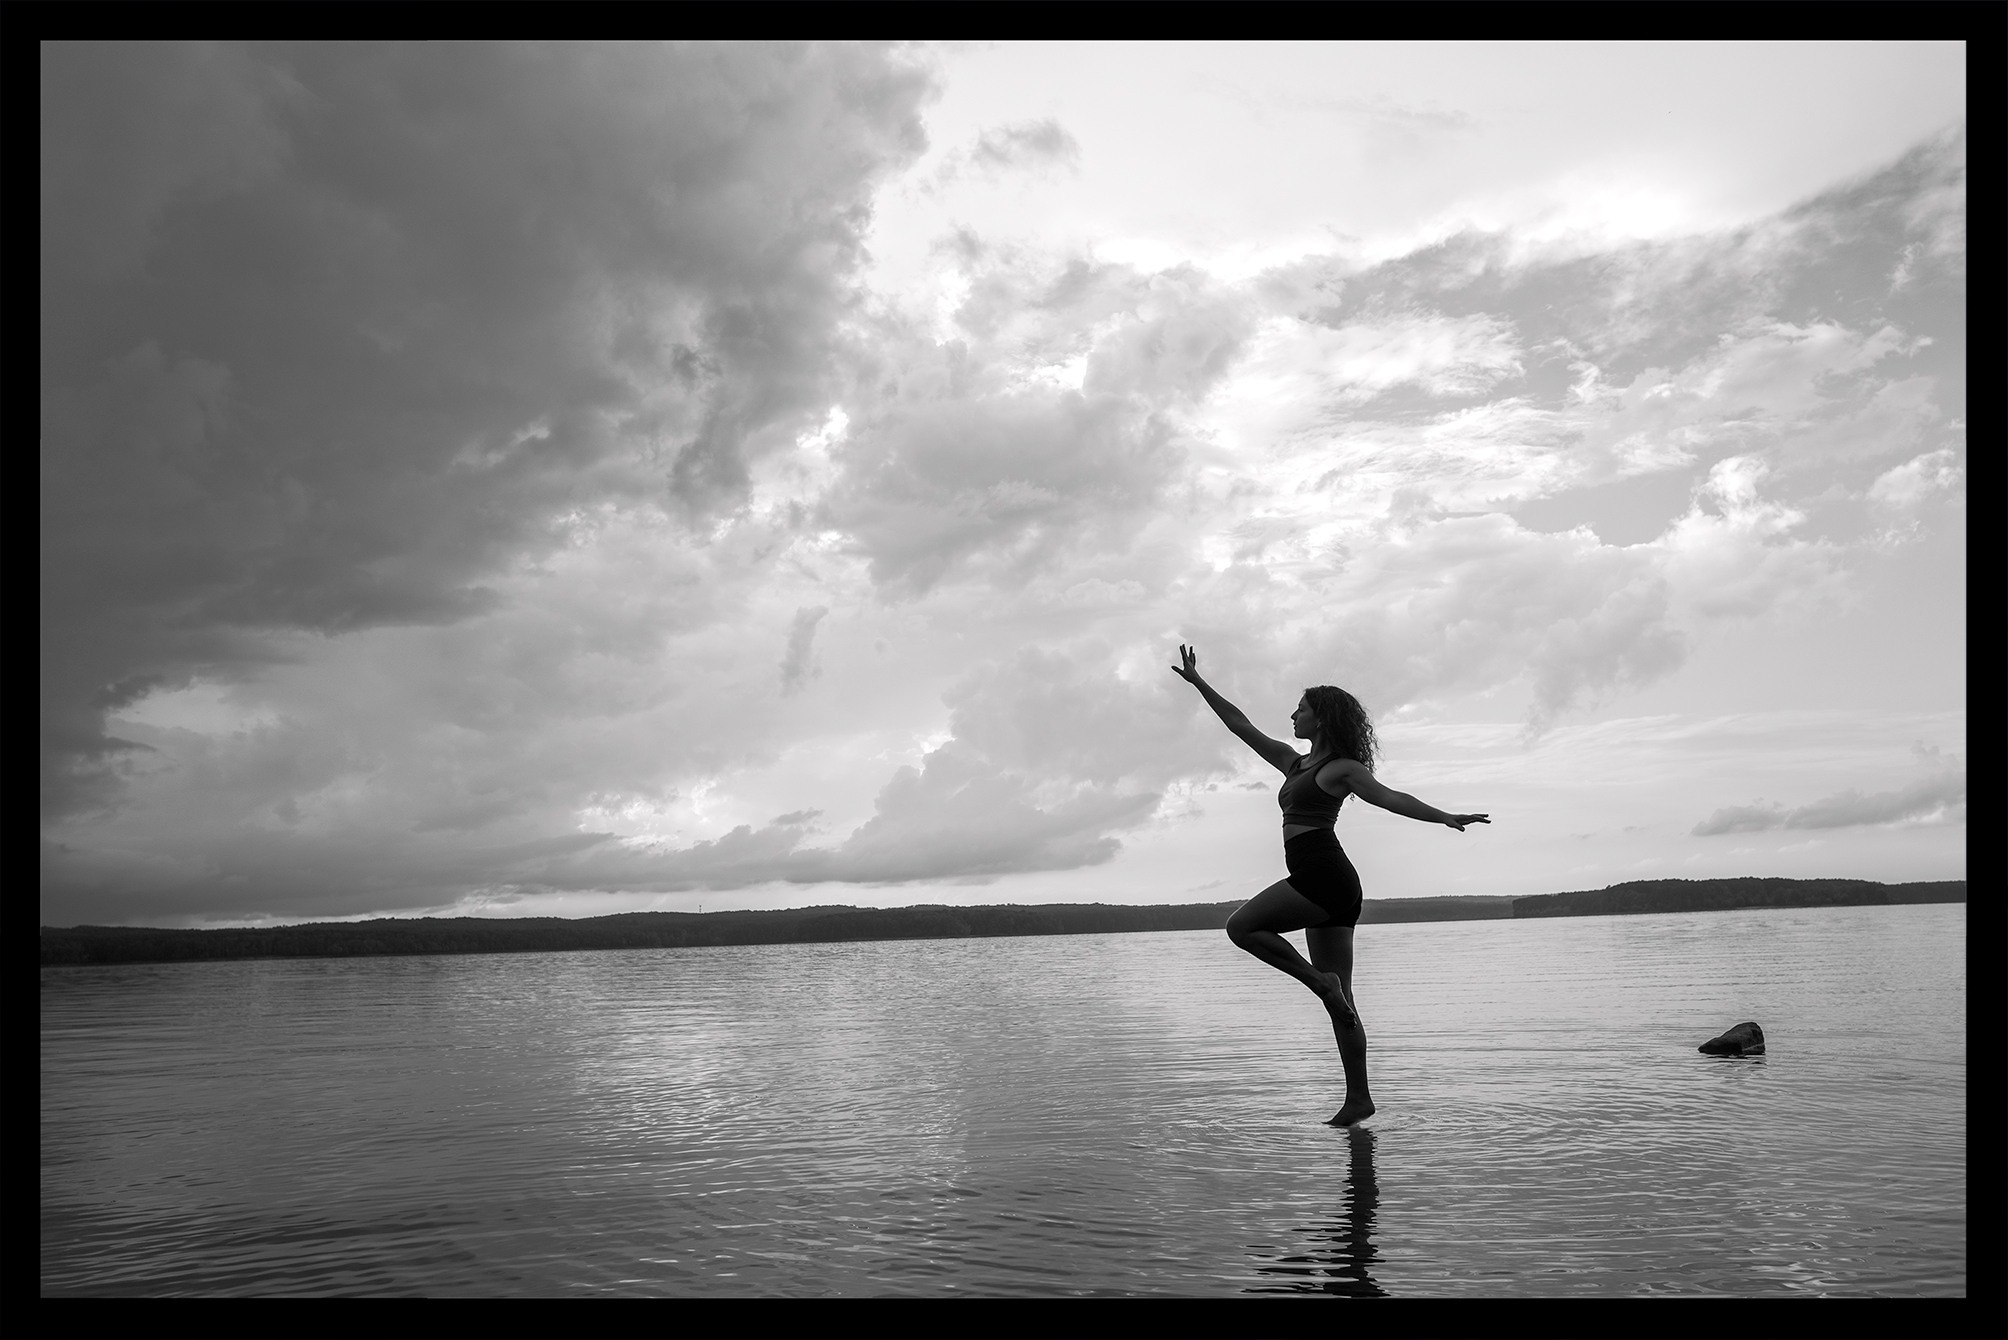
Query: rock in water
[{"x": 1746, "y": 1039}]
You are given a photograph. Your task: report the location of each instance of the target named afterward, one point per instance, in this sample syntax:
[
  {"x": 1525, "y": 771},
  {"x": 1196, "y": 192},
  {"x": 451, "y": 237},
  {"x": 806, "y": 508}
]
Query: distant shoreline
[
  {"x": 1722, "y": 895},
  {"x": 827, "y": 925}
]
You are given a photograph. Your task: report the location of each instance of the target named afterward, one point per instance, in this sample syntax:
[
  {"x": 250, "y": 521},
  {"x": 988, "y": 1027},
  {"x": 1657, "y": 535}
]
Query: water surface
[{"x": 1043, "y": 1116}]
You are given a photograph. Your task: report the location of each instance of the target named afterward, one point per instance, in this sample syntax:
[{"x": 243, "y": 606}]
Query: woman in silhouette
[{"x": 1321, "y": 897}]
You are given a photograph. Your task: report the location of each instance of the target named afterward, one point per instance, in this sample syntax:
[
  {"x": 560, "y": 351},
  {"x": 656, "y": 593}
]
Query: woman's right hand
[{"x": 1189, "y": 671}]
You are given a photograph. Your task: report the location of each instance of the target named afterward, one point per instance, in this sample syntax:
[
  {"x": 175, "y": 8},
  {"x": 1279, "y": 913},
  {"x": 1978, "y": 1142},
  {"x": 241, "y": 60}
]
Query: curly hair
[{"x": 1343, "y": 723}]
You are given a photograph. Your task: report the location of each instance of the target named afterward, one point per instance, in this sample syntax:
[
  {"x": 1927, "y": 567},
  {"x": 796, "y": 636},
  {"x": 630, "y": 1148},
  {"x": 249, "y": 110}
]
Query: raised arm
[
  {"x": 1279, "y": 754},
  {"x": 1363, "y": 785}
]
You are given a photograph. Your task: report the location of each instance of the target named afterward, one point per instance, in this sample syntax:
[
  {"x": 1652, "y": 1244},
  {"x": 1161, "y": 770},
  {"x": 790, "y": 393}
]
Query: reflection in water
[{"x": 1337, "y": 1256}]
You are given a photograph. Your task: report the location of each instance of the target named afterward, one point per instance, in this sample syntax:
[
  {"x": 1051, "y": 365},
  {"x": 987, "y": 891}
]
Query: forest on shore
[
  {"x": 821, "y": 925},
  {"x": 1721, "y": 895}
]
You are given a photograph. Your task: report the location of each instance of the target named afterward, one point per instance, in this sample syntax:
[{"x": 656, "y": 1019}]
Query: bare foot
[
  {"x": 1352, "y": 1112},
  {"x": 1333, "y": 993}
]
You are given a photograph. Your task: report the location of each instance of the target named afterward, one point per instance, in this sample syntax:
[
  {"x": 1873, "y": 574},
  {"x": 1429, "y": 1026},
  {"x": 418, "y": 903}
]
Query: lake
[{"x": 1095, "y": 1115}]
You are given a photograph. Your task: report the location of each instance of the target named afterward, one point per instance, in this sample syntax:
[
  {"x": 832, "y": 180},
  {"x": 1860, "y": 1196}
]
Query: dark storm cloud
[{"x": 333, "y": 333}]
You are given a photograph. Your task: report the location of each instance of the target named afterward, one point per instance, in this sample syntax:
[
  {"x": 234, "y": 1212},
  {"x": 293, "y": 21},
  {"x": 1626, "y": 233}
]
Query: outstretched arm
[
  {"x": 1281, "y": 755},
  {"x": 1362, "y": 782}
]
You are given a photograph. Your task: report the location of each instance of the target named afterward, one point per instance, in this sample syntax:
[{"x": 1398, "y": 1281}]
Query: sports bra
[{"x": 1304, "y": 801}]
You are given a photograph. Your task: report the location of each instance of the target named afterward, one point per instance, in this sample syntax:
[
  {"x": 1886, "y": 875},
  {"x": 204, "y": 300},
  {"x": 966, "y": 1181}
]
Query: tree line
[
  {"x": 628, "y": 930},
  {"x": 1721, "y": 895},
  {"x": 686, "y": 930}
]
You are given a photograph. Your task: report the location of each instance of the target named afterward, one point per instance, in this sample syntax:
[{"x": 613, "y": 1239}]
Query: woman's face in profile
[{"x": 1303, "y": 721}]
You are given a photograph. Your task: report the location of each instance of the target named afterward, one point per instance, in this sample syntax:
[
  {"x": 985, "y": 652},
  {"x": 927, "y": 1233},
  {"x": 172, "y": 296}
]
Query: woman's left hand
[{"x": 1458, "y": 821}]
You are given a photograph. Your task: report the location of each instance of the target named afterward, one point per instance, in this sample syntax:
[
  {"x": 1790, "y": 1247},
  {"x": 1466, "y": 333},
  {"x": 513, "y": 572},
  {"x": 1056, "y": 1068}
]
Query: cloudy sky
[{"x": 564, "y": 480}]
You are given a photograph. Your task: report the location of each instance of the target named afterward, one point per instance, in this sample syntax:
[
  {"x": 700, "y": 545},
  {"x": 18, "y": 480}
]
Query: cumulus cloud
[
  {"x": 1425, "y": 604},
  {"x": 1903, "y": 488},
  {"x": 998, "y": 485},
  {"x": 962, "y": 464},
  {"x": 1734, "y": 553},
  {"x": 1698, "y": 358}
]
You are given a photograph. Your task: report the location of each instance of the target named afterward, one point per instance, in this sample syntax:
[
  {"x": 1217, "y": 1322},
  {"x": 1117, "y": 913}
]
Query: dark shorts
[{"x": 1320, "y": 871}]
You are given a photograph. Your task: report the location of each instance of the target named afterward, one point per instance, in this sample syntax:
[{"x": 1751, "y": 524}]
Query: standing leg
[{"x": 1332, "y": 951}]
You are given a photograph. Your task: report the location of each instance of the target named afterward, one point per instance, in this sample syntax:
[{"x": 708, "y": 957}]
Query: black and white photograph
[{"x": 800, "y": 670}]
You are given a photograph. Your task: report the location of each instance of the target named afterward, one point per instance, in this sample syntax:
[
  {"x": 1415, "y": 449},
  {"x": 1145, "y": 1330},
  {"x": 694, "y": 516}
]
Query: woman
[{"x": 1322, "y": 895}]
